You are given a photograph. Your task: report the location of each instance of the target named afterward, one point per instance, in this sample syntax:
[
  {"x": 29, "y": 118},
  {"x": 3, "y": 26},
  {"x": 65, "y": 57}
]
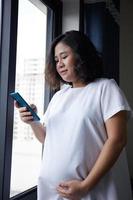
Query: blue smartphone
[{"x": 22, "y": 103}]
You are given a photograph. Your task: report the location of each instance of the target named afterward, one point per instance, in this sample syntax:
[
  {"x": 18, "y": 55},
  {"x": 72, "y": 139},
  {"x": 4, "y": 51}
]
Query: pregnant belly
[{"x": 59, "y": 170}]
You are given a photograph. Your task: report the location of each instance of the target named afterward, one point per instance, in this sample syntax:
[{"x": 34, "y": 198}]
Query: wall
[
  {"x": 70, "y": 15},
  {"x": 126, "y": 65},
  {"x": 71, "y": 21}
]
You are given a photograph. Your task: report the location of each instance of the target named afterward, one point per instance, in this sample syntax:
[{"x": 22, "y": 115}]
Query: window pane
[{"x": 31, "y": 47}]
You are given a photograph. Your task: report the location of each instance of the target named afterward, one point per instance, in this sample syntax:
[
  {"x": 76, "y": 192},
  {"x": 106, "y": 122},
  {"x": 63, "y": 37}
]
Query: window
[
  {"x": 30, "y": 62},
  {"x": 21, "y": 73}
]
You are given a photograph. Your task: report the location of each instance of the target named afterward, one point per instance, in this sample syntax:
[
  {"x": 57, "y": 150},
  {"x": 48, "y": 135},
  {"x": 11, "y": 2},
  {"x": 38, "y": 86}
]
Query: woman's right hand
[{"x": 24, "y": 114}]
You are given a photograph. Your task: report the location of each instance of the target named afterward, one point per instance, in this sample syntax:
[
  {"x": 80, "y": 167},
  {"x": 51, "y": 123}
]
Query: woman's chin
[{"x": 66, "y": 79}]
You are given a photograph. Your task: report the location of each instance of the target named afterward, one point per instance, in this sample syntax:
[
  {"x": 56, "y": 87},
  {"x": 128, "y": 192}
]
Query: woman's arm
[
  {"x": 116, "y": 128},
  {"x": 116, "y": 140},
  {"x": 39, "y": 131}
]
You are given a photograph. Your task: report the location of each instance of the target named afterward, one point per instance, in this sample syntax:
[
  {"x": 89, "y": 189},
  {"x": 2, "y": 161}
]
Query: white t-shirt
[{"x": 75, "y": 135}]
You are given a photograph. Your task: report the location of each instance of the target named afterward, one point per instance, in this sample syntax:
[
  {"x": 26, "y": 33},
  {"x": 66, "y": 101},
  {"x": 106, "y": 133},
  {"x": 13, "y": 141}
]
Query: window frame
[{"x": 8, "y": 37}]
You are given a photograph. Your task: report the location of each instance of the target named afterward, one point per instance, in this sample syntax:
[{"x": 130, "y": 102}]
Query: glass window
[{"x": 31, "y": 48}]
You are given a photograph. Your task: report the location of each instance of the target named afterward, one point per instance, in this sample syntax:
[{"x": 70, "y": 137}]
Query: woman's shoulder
[
  {"x": 103, "y": 85},
  {"x": 105, "y": 82},
  {"x": 62, "y": 90}
]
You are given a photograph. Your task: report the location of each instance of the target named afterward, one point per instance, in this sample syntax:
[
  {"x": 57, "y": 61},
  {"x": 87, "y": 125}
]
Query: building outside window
[{"x": 30, "y": 63}]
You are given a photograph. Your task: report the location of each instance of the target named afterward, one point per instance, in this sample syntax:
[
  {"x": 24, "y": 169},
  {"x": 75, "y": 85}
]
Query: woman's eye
[{"x": 64, "y": 57}]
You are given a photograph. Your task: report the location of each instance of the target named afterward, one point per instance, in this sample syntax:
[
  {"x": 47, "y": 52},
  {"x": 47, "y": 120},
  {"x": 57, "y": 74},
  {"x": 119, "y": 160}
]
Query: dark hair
[{"x": 89, "y": 62}]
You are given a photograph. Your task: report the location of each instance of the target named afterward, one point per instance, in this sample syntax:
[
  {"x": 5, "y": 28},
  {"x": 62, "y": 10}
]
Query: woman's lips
[{"x": 63, "y": 72}]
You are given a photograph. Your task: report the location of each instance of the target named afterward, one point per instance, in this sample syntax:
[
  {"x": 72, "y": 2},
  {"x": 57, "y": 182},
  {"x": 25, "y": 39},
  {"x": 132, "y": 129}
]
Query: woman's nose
[{"x": 60, "y": 63}]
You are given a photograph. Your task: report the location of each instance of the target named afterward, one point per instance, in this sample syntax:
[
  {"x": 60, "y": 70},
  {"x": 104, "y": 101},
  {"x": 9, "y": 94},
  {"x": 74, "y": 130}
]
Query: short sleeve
[
  {"x": 113, "y": 100},
  {"x": 46, "y": 114},
  {"x": 48, "y": 110}
]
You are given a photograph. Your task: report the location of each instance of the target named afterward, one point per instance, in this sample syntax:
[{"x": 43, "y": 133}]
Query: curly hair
[{"x": 89, "y": 63}]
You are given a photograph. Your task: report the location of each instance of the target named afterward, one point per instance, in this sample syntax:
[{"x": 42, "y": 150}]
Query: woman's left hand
[{"x": 72, "y": 190}]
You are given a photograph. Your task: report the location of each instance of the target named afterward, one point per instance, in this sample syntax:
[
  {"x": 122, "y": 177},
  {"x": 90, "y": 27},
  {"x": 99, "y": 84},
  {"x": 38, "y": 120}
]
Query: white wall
[
  {"x": 70, "y": 15},
  {"x": 126, "y": 65}
]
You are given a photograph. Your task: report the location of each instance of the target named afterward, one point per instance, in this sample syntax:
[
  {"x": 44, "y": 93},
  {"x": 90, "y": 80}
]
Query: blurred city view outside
[{"x": 30, "y": 63}]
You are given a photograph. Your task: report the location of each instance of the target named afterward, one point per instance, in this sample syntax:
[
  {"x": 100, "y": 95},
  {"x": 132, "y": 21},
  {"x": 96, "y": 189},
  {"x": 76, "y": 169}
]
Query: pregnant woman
[{"x": 84, "y": 130}]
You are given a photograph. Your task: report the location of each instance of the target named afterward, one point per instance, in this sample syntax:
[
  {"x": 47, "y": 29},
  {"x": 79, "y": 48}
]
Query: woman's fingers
[
  {"x": 25, "y": 115},
  {"x": 22, "y": 109},
  {"x": 16, "y": 104},
  {"x": 33, "y": 107},
  {"x": 27, "y": 119}
]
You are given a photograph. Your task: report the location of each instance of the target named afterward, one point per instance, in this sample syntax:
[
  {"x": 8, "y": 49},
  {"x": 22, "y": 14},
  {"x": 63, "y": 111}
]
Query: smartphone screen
[{"x": 22, "y": 103}]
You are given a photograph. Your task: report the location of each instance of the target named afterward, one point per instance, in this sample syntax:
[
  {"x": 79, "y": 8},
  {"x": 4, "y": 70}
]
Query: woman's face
[{"x": 65, "y": 62}]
